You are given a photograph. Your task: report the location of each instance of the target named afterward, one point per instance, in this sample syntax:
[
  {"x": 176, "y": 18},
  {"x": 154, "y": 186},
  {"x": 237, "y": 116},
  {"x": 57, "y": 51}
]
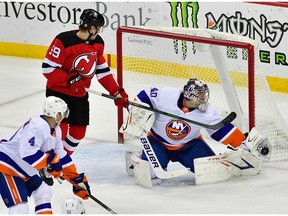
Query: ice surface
[{"x": 102, "y": 159}]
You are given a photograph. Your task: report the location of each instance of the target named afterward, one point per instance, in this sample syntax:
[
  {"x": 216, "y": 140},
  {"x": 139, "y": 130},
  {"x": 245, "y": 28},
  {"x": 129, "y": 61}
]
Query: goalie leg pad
[
  {"x": 141, "y": 172},
  {"x": 250, "y": 165},
  {"x": 128, "y": 161},
  {"x": 216, "y": 169},
  {"x": 221, "y": 168}
]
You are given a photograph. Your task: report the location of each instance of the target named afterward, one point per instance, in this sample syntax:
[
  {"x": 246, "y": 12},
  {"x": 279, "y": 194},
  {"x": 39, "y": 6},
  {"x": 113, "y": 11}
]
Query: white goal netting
[{"x": 226, "y": 62}]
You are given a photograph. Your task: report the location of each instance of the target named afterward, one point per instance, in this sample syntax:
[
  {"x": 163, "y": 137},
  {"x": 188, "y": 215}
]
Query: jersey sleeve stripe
[
  {"x": 51, "y": 63},
  {"x": 102, "y": 66},
  {"x": 44, "y": 208},
  {"x": 49, "y": 66},
  {"x": 143, "y": 97},
  {"x": 102, "y": 75},
  {"x": 104, "y": 70},
  {"x": 37, "y": 160},
  {"x": 229, "y": 135},
  {"x": 66, "y": 161},
  {"x": 223, "y": 133}
]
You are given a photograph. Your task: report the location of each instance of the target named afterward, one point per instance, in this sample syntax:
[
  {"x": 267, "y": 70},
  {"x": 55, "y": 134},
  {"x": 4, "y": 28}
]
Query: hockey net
[{"x": 170, "y": 56}]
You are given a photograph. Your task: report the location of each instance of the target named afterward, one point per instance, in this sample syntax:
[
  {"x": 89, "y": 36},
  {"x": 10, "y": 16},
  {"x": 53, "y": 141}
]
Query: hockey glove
[
  {"x": 139, "y": 121},
  {"x": 76, "y": 84},
  {"x": 122, "y": 100},
  {"x": 46, "y": 177},
  {"x": 54, "y": 166},
  {"x": 257, "y": 145},
  {"x": 84, "y": 189}
]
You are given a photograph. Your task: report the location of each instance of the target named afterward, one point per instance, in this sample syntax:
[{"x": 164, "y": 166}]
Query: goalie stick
[
  {"x": 157, "y": 168},
  {"x": 90, "y": 195},
  {"x": 228, "y": 119}
]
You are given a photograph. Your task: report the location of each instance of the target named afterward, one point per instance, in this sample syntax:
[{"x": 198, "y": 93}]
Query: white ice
[{"x": 102, "y": 159}]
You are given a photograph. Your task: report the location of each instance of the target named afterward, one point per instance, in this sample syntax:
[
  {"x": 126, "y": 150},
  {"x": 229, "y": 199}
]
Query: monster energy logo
[
  {"x": 185, "y": 20},
  {"x": 184, "y": 6}
]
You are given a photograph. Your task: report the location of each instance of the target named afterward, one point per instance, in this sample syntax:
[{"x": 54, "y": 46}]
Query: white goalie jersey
[{"x": 170, "y": 130}]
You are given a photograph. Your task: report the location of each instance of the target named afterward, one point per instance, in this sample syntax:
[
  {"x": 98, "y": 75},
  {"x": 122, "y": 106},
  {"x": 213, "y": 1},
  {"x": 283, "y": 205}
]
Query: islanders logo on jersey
[{"x": 177, "y": 129}]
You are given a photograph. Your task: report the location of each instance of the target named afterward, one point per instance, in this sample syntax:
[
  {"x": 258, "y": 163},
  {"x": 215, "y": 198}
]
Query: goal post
[{"x": 170, "y": 56}]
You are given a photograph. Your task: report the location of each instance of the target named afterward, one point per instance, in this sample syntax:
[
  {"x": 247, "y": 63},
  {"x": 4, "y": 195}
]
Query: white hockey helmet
[
  {"x": 197, "y": 91},
  {"x": 73, "y": 206},
  {"x": 53, "y": 105}
]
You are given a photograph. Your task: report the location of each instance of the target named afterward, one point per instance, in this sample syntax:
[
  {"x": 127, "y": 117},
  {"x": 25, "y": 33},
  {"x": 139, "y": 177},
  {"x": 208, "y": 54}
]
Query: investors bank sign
[{"x": 21, "y": 21}]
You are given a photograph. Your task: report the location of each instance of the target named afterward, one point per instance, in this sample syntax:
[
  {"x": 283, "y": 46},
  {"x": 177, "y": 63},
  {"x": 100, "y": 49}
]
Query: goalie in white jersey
[
  {"x": 176, "y": 140},
  {"x": 36, "y": 145}
]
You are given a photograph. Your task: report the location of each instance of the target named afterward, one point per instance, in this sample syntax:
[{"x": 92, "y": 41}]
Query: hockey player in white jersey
[
  {"x": 36, "y": 145},
  {"x": 176, "y": 140}
]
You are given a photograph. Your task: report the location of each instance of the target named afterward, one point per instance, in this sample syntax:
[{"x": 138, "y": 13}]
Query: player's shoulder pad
[
  {"x": 39, "y": 124},
  {"x": 68, "y": 38},
  {"x": 98, "y": 40}
]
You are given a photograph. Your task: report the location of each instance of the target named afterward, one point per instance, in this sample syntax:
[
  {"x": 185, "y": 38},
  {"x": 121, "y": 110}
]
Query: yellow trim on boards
[
  {"x": 276, "y": 84},
  {"x": 23, "y": 50}
]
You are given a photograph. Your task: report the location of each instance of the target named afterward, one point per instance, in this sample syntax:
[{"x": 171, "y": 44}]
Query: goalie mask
[
  {"x": 73, "y": 206},
  {"x": 90, "y": 17},
  {"x": 197, "y": 91},
  {"x": 54, "y": 105}
]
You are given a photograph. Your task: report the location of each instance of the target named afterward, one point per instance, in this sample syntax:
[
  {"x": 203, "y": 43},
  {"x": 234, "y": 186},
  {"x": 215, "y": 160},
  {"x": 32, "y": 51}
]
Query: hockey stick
[
  {"x": 90, "y": 195},
  {"x": 216, "y": 126},
  {"x": 156, "y": 166}
]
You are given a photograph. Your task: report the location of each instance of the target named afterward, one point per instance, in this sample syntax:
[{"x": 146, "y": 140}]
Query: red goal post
[{"x": 221, "y": 59}]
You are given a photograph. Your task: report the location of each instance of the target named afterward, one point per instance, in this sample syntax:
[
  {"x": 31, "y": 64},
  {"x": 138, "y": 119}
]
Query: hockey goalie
[{"x": 167, "y": 139}]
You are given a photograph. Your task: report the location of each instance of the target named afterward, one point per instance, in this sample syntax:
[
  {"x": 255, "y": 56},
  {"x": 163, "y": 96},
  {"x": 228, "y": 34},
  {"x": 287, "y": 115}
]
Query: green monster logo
[{"x": 184, "y": 6}]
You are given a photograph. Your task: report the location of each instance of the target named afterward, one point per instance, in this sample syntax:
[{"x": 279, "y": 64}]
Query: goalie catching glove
[
  {"x": 139, "y": 121},
  {"x": 83, "y": 190},
  {"x": 257, "y": 145}
]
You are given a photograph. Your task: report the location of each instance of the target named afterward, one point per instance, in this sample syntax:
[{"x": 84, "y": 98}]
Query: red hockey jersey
[{"x": 69, "y": 54}]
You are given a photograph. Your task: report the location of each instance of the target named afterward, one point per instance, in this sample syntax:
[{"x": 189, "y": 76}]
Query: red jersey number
[{"x": 55, "y": 52}]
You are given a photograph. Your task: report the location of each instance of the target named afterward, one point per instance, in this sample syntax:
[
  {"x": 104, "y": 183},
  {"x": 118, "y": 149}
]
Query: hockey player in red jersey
[
  {"x": 34, "y": 146},
  {"x": 72, "y": 60}
]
